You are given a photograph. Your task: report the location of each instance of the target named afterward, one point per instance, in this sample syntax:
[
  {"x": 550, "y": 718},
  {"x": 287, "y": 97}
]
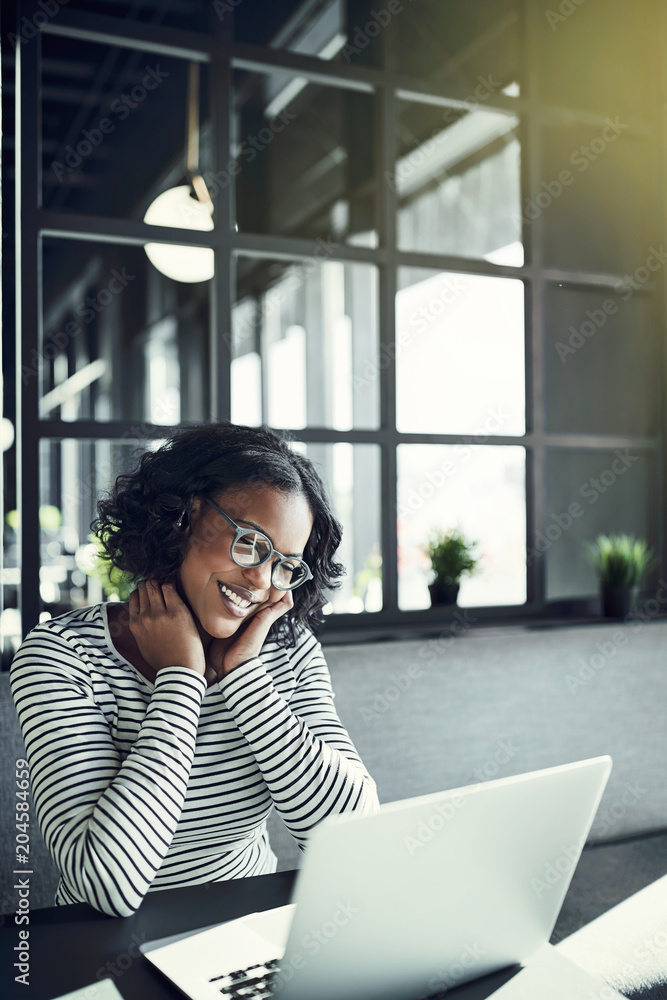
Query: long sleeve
[
  {"x": 305, "y": 754},
  {"x": 107, "y": 822}
]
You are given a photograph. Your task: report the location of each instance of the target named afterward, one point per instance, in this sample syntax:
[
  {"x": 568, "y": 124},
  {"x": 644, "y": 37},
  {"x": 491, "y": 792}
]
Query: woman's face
[{"x": 208, "y": 566}]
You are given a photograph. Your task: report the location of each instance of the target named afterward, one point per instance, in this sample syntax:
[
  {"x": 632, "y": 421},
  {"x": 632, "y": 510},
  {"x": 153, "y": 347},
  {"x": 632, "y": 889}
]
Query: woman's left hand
[{"x": 224, "y": 655}]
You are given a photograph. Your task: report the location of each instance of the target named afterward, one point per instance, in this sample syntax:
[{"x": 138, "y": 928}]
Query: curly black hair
[{"x": 138, "y": 521}]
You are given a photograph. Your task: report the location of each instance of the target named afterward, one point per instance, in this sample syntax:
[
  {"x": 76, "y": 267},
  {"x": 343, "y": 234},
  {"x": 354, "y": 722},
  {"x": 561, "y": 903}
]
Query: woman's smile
[{"x": 235, "y": 601}]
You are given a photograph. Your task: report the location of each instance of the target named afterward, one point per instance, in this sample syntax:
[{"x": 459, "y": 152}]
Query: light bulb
[
  {"x": 6, "y": 434},
  {"x": 176, "y": 207}
]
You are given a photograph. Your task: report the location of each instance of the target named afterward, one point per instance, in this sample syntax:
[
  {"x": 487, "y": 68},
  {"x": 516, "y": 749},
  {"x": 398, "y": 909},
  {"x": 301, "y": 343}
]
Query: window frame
[{"x": 223, "y": 55}]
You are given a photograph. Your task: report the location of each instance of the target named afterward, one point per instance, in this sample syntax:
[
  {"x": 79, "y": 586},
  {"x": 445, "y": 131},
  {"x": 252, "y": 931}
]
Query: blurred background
[{"x": 422, "y": 236}]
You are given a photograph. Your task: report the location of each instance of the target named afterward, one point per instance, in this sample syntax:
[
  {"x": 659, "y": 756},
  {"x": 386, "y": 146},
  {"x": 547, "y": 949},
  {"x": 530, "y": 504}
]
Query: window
[{"x": 436, "y": 261}]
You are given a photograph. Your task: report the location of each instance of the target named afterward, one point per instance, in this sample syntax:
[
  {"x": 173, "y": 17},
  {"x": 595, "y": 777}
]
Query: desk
[{"x": 73, "y": 946}]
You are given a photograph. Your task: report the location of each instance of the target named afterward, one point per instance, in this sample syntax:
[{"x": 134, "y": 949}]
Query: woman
[{"x": 160, "y": 733}]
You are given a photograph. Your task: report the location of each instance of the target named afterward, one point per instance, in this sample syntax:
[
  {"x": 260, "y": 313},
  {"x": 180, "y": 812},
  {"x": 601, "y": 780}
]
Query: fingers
[
  {"x": 148, "y": 594},
  {"x": 163, "y": 627},
  {"x": 171, "y": 596},
  {"x": 154, "y": 593},
  {"x": 286, "y": 603},
  {"x": 272, "y": 612},
  {"x": 250, "y": 640},
  {"x": 134, "y": 604}
]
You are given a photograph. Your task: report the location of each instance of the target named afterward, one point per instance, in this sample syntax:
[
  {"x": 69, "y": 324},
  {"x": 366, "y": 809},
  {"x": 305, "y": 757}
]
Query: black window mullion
[
  {"x": 533, "y": 240},
  {"x": 220, "y": 332},
  {"x": 387, "y": 370},
  {"x": 28, "y": 319}
]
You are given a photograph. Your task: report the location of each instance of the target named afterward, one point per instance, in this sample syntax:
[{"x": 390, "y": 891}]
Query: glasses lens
[
  {"x": 251, "y": 549},
  {"x": 289, "y": 574}
]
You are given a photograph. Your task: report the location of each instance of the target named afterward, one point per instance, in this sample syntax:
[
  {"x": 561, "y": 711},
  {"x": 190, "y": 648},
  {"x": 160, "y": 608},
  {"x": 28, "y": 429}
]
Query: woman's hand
[
  {"x": 164, "y": 628},
  {"x": 225, "y": 654}
]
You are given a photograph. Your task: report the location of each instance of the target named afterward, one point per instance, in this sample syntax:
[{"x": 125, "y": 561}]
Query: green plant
[
  {"x": 115, "y": 582},
  {"x": 620, "y": 560},
  {"x": 50, "y": 518},
  {"x": 451, "y": 556}
]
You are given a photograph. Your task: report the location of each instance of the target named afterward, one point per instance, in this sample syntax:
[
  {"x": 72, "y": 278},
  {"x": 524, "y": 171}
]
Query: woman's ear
[{"x": 189, "y": 514}]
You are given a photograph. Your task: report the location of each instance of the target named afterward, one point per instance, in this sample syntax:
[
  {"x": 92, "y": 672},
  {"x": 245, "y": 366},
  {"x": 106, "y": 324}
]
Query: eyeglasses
[{"x": 253, "y": 548}]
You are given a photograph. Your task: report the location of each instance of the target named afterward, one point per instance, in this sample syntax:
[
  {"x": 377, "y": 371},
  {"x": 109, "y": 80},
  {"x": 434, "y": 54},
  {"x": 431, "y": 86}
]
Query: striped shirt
[{"x": 142, "y": 786}]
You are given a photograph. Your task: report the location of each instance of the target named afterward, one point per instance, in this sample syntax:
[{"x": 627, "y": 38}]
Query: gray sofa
[{"x": 447, "y": 711}]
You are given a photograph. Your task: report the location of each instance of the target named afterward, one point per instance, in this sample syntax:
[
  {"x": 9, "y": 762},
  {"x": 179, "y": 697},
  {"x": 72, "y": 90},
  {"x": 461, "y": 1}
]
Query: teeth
[{"x": 239, "y": 601}]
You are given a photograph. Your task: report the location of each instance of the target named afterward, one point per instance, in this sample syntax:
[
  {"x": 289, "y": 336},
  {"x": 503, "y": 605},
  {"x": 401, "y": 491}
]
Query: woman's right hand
[{"x": 164, "y": 628}]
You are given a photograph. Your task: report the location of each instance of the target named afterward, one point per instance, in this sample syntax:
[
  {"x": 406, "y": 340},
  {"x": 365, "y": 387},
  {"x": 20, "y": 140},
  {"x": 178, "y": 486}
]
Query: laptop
[{"x": 415, "y": 901}]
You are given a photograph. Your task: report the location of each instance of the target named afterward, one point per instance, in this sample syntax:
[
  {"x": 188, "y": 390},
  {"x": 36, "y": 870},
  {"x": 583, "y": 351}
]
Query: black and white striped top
[{"x": 143, "y": 786}]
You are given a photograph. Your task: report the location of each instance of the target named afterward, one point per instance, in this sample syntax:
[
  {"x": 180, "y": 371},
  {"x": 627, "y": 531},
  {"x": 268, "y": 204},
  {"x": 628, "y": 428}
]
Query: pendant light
[{"x": 187, "y": 206}]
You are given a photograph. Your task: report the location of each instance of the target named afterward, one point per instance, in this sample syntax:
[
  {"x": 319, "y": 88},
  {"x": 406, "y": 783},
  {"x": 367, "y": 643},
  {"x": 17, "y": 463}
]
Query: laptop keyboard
[{"x": 255, "y": 982}]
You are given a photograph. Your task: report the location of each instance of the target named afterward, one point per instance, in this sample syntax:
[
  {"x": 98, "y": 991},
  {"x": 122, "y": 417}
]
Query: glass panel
[
  {"x": 121, "y": 340},
  {"x": 349, "y": 31},
  {"x": 351, "y": 474},
  {"x": 458, "y": 182},
  {"x": 10, "y": 579},
  {"x": 455, "y": 42},
  {"x": 591, "y": 493},
  {"x": 305, "y": 160},
  {"x": 195, "y": 15},
  {"x": 305, "y": 344},
  {"x": 602, "y": 361},
  {"x": 482, "y": 491},
  {"x": 10, "y": 619},
  {"x": 459, "y": 354},
  {"x": 608, "y": 48},
  {"x": 113, "y": 127},
  {"x": 72, "y": 476},
  {"x": 595, "y": 198},
  {"x": 74, "y": 473}
]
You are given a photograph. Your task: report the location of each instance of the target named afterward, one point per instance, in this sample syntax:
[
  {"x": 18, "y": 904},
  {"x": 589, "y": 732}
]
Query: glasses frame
[{"x": 273, "y": 551}]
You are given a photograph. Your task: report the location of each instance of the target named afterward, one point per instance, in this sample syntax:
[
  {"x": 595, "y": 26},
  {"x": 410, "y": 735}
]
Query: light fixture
[
  {"x": 6, "y": 434},
  {"x": 187, "y": 206}
]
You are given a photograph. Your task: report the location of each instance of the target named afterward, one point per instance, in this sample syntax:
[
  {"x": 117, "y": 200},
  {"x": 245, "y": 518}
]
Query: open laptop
[{"x": 414, "y": 901}]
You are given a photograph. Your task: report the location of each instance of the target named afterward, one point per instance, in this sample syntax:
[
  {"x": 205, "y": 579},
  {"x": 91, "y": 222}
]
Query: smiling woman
[{"x": 160, "y": 733}]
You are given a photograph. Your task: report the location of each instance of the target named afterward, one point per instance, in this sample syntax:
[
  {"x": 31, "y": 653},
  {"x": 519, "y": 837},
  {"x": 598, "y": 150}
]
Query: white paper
[{"x": 104, "y": 989}]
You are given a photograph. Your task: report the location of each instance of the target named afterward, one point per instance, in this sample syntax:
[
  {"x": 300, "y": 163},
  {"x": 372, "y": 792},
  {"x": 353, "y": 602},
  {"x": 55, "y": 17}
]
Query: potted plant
[
  {"x": 620, "y": 562},
  {"x": 451, "y": 555}
]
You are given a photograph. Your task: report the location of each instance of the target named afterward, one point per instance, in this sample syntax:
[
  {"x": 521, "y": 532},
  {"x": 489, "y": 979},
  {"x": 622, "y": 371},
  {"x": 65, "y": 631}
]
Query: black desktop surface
[{"x": 74, "y": 946}]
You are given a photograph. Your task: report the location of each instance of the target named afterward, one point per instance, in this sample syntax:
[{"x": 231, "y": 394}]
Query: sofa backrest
[
  {"x": 449, "y": 711},
  {"x": 440, "y": 713},
  {"x": 444, "y": 712}
]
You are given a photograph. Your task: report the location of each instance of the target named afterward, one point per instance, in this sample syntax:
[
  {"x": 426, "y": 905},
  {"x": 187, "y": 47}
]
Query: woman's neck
[{"x": 124, "y": 642}]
